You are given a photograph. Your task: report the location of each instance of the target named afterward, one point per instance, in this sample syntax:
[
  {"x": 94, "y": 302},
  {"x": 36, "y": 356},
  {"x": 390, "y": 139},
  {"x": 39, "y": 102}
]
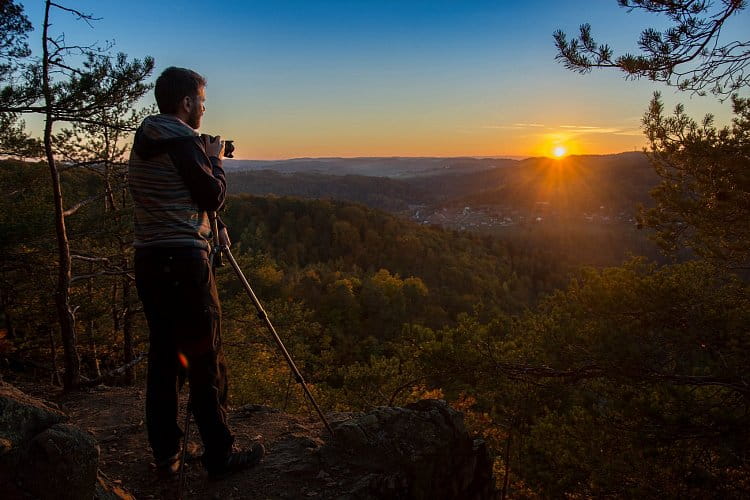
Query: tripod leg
[{"x": 264, "y": 317}]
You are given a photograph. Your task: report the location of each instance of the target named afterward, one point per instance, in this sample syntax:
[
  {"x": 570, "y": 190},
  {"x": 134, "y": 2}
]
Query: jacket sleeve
[{"x": 203, "y": 176}]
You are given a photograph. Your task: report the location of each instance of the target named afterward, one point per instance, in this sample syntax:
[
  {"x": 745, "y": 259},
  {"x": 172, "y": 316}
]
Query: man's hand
[
  {"x": 214, "y": 148},
  {"x": 224, "y": 237}
]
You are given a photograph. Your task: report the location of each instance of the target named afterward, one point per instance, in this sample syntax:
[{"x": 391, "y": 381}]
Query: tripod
[{"x": 217, "y": 251}]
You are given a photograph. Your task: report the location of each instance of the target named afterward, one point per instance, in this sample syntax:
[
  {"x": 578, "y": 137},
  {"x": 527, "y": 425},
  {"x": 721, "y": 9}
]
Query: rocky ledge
[{"x": 421, "y": 451}]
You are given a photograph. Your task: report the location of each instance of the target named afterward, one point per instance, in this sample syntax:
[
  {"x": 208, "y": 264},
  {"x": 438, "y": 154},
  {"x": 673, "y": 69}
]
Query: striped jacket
[{"x": 174, "y": 185}]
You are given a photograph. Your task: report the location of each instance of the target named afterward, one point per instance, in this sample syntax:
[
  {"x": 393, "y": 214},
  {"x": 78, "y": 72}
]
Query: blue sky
[{"x": 391, "y": 77}]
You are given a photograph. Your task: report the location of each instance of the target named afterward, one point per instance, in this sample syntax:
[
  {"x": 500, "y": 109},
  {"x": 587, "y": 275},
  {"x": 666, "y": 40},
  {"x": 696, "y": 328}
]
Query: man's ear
[{"x": 185, "y": 104}]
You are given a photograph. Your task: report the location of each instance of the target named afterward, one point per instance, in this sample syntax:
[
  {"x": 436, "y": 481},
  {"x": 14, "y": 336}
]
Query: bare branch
[
  {"x": 72, "y": 210},
  {"x": 86, "y": 258},
  {"x": 114, "y": 373},
  {"x": 102, "y": 273},
  {"x": 594, "y": 371},
  {"x": 403, "y": 387},
  {"x": 87, "y": 18}
]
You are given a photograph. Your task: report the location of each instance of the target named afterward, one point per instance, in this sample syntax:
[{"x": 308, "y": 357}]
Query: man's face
[{"x": 197, "y": 108}]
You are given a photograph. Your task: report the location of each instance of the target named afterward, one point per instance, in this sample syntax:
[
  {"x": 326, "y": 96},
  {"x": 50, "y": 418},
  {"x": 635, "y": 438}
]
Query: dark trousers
[{"x": 178, "y": 291}]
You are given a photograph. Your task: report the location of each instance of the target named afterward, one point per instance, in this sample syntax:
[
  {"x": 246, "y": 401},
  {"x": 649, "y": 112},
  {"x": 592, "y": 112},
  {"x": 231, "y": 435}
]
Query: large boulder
[
  {"x": 40, "y": 453},
  {"x": 421, "y": 451}
]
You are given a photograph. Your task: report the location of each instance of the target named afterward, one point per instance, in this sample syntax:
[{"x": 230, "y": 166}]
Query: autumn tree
[{"x": 629, "y": 382}]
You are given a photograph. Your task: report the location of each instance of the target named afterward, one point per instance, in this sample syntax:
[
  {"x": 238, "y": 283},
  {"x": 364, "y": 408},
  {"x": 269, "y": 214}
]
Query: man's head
[{"x": 181, "y": 92}]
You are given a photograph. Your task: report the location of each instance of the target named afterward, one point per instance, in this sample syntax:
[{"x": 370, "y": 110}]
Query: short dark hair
[{"x": 174, "y": 84}]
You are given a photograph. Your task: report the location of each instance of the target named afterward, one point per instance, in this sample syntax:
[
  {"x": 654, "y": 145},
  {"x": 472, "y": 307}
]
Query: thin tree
[
  {"x": 63, "y": 92},
  {"x": 100, "y": 148}
]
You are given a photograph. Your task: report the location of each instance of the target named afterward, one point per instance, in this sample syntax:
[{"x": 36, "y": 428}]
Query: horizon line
[{"x": 396, "y": 157}]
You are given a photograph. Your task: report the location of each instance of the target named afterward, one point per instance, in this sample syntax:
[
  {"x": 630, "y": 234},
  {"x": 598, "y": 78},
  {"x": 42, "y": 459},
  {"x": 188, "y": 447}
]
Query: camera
[
  {"x": 229, "y": 149},
  {"x": 228, "y": 145}
]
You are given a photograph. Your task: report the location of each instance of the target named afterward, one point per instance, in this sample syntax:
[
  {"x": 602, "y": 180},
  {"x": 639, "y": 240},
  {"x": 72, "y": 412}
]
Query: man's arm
[{"x": 203, "y": 176}]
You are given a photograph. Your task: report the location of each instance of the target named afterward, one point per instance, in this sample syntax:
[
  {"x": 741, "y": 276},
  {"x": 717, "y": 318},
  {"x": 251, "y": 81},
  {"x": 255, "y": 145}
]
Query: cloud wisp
[{"x": 569, "y": 129}]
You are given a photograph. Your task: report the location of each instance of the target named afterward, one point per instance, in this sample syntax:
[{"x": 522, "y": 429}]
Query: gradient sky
[{"x": 309, "y": 78}]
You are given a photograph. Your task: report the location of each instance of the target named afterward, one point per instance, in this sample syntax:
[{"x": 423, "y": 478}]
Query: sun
[{"x": 559, "y": 151}]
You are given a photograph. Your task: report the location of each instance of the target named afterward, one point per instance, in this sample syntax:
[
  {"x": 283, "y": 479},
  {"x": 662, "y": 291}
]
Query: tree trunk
[
  {"x": 53, "y": 348},
  {"x": 10, "y": 326},
  {"x": 115, "y": 310},
  {"x": 95, "y": 365},
  {"x": 127, "y": 311},
  {"x": 127, "y": 326},
  {"x": 506, "y": 459},
  {"x": 72, "y": 378},
  {"x": 90, "y": 328}
]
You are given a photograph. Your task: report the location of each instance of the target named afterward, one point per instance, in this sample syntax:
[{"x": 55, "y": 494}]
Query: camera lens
[{"x": 229, "y": 149}]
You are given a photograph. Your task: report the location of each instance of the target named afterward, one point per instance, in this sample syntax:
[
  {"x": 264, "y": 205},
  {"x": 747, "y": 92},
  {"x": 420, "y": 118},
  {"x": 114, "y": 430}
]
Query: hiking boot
[
  {"x": 169, "y": 467},
  {"x": 237, "y": 461}
]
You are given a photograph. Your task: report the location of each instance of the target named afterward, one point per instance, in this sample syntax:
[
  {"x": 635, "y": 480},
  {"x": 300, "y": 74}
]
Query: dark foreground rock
[
  {"x": 422, "y": 451},
  {"x": 42, "y": 455}
]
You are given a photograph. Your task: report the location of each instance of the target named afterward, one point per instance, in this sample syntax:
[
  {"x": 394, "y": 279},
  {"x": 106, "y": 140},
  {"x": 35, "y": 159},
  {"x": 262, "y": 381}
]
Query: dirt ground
[{"x": 115, "y": 416}]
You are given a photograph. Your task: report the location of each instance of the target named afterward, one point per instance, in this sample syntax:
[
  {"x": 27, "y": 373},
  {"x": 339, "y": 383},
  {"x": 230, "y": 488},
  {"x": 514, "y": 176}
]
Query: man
[{"x": 177, "y": 181}]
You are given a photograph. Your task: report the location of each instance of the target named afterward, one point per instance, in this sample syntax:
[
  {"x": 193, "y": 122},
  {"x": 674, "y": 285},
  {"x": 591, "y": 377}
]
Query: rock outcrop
[
  {"x": 40, "y": 453},
  {"x": 422, "y": 451}
]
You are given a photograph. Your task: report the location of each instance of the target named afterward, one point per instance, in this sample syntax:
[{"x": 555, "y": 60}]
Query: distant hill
[
  {"x": 575, "y": 184},
  {"x": 394, "y": 167}
]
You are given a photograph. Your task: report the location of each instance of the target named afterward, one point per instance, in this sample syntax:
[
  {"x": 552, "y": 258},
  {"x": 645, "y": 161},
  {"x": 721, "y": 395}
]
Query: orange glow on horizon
[{"x": 333, "y": 140}]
